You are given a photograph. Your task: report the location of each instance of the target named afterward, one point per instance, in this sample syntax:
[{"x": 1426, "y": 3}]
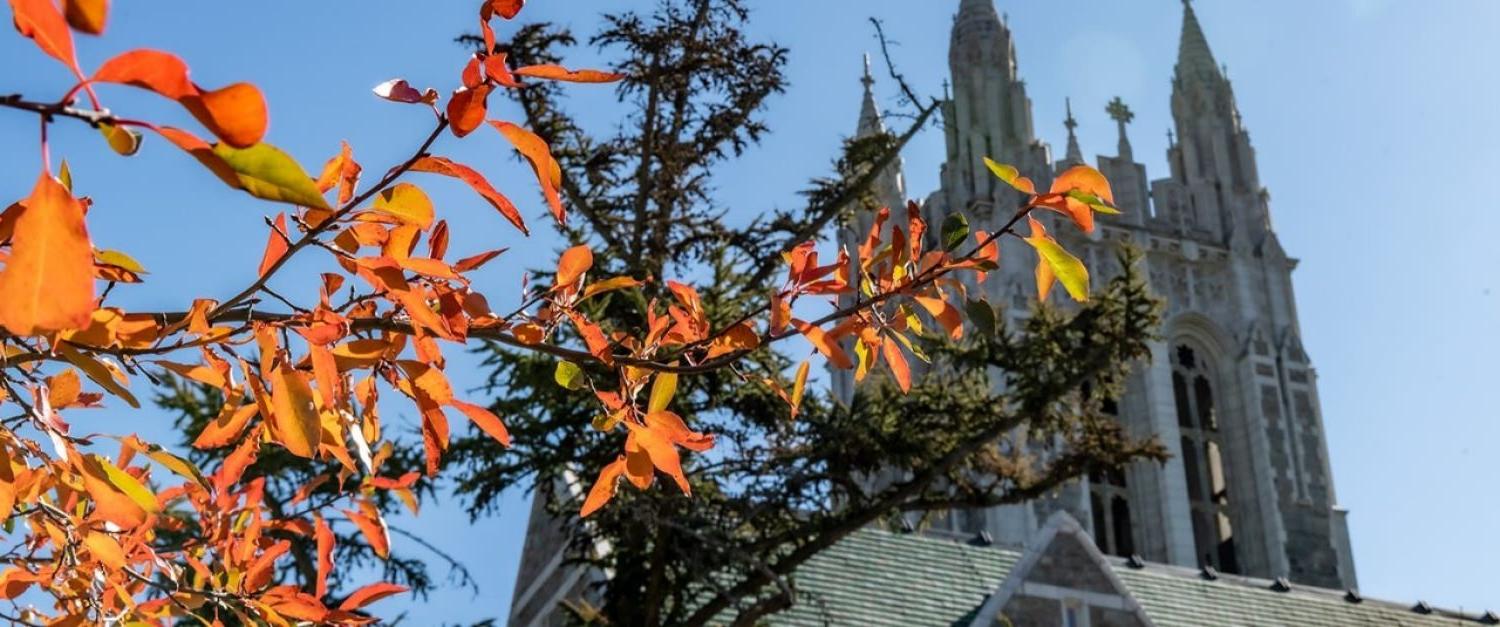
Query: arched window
[
  {"x": 1109, "y": 500},
  {"x": 1203, "y": 460}
]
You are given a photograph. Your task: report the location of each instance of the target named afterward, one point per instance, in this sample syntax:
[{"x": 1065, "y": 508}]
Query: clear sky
[{"x": 1373, "y": 120}]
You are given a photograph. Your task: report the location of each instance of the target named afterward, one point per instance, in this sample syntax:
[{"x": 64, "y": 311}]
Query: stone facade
[{"x": 1229, "y": 390}]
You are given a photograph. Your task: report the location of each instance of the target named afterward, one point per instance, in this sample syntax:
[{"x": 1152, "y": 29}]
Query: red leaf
[
  {"x": 505, "y": 8},
  {"x": 154, "y": 70},
  {"x": 475, "y": 180},
  {"x": 470, "y": 263},
  {"x": 276, "y": 246},
  {"x": 663, "y": 453},
  {"x": 548, "y": 173},
  {"x": 466, "y": 109},
  {"x": 897, "y": 362}
]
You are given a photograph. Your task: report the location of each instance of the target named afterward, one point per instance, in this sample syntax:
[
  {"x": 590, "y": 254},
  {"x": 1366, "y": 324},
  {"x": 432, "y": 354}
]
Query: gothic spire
[
  {"x": 869, "y": 114},
  {"x": 1194, "y": 60},
  {"x": 1122, "y": 115},
  {"x": 1075, "y": 154}
]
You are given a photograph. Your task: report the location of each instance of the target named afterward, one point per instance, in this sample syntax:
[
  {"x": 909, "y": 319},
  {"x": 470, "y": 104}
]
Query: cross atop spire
[
  {"x": 1122, "y": 115},
  {"x": 1075, "y": 154}
]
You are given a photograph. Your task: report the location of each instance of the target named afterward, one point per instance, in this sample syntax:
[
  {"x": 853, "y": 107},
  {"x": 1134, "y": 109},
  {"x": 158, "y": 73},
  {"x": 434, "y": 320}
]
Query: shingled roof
[{"x": 875, "y": 578}]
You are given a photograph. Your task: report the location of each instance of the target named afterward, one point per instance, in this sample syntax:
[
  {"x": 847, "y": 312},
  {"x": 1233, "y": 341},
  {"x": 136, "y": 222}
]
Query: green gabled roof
[{"x": 875, "y": 578}]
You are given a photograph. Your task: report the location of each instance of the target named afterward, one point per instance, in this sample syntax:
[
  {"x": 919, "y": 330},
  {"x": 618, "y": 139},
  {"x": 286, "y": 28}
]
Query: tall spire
[
  {"x": 1122, "y": 115},
  {"x": 869, "y": 114},
  {"x": 1194, "y": 60},
  {"x": 1075, "y": 154}
]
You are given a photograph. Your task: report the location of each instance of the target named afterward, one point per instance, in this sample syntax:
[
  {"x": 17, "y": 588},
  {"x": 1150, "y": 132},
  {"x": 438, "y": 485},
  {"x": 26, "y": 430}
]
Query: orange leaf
[
  {"x": 475, "y": 180},
  {"x": 48, "y": 281},
  {"x": 485, "y": 420},
  {"x": 428, "y": 380},
  {"x": 593, "y": 337},
  {"x": 663, "y": 453},
  {"x": 236, "y": 114},
  {"x": 374, "y": 531},
  {"x": 323, "y": 535},
  {"x": 548, "y": 172},
  {"x": 466, "y": 109},
  {"x": 604, "y": 487},
  {"x": 671, "y": 426},
  {"x": 945, "y": 313},
  {"x": 276, "y": 246},
  {"x": 118, "y": 497},
  {"x": 86, "y": 16},
  {"x": 574, "y": 262},
  {"x": 105, "y": 549},
  {"x": 897, "y": 362},
  {"x": 226, "y": 427},
  {"x": 472, "y": 263},
  {"x": 1084, "y": 179},
  {"x": 43, "y": 23},
  {"x": 560, "y": 73},
  {"x": 821, "y": 341},
  {"x": 295, "y": 420},
  {"x": 370, "y": 594},
  {"x": 154, "y": 70}
]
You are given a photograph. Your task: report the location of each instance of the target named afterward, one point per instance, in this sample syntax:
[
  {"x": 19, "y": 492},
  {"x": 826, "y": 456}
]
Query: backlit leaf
[
  {"x": 466, "y": 108},
  {"x": 323, "y": 538},
  {"x": 48, "y": 281},
  {"x": 266, "y": 172},
  {"x": 560, "y": 73},
  {"x": 569, "y": 375},
  {"x": 118, "y": 497},
  {"x": 663, "y": 454},
  {"x": 123, "y": 140},
  {"x": 476, "y": 181},
  {"x": 294, "y": 417},
  {"x": 897, "y": 363},
  {"x": 41, "y": 21},
  {"x": 486, "y": 420},
  {"x": 604, "y": 487},
  {"x": 374, "y": 531},
  {"x": 406, "y": 202},
  {"x": 398, "y": 90},
  {"x": 370, "y": 594},
  {"x": 828, "y": 347},
  {"x": 1011, "y": 176},
  {"x": 799, "y": 386},
  {"x": 662, "y": 390},
  {"x": 1063, "y": 265},
  {"x": 86, "y": 16},
  {"x": 548, "y": 172},
  {"x": 276, "y": 246},
  {"x": 574, "y": 262}
]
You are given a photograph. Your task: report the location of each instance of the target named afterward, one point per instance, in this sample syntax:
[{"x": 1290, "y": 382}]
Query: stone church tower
[{"x": 1229, "y": 389}]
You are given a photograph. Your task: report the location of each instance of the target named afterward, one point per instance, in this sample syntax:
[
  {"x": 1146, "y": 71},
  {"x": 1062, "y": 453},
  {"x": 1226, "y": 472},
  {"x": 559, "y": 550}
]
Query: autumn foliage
[{"x": 88, "y": 511}]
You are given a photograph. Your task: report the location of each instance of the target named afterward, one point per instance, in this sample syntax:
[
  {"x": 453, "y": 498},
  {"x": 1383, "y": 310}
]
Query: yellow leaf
[
  {"x": 662, "y": 390},
  {"x": 266, "y": 172},
  {"x": 407, "y": 203},
  {"x": 798, "y": 386},
  {"x": 294, "y": 417},
  {"x": 1011, "y": 176},
  {"x": 1061, "y": 264}
]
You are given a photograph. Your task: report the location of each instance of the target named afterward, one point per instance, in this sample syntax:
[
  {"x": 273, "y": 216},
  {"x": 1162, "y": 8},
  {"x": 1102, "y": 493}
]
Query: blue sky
[{"x": 1373, "y": 121}]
